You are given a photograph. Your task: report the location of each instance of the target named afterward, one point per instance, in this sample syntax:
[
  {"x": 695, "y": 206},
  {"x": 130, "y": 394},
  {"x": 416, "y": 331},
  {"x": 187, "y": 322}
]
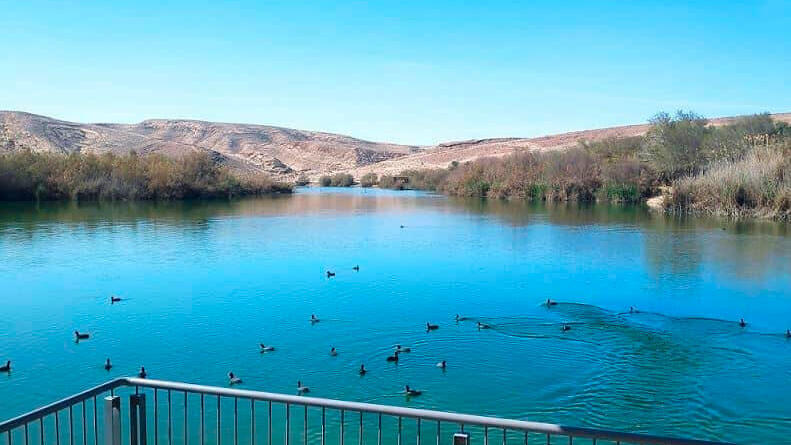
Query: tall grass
[
  {"x": 757, "y": 185},
  {"x": 27, "y": 175}
]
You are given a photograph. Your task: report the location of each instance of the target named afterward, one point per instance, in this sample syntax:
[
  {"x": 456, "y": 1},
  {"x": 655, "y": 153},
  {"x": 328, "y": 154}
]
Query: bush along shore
[
  {"x": 27, "y": 175},
  {"x": 742, "y": 169}
]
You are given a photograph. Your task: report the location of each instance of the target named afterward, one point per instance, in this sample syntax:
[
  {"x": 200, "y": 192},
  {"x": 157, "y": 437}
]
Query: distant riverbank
[
  {"x": 739, "y": 170},
  {"x": 26, "y": 175}
]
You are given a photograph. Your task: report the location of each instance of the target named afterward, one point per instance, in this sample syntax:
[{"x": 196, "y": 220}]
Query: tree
[{"x": 673, "y": 146}]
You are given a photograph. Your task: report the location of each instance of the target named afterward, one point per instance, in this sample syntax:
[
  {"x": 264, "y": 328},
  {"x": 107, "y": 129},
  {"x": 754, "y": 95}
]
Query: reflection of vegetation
[
  {"x": 26, "y": 175},
  {"x": 631, "y": 169}
]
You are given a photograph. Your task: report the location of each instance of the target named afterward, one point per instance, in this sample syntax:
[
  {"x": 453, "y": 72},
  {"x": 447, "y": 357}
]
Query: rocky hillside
[
  {"x": 282, "y": 152},
  {"x": 279, "y": 151}
]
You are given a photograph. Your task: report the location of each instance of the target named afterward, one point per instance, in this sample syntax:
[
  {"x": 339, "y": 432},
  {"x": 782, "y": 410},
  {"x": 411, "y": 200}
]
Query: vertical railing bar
[
  {"x": 186, "y": 435},
  {"x": 360, "y": 434},
  {"x": 462, "y": 427},
  {"x": 418, "y": 431},
  {"x": 269, "y": 425},
  {"x": 305, "y": 427},
  {"x": 27, "y": 439},
  {"x": 84, "y": 426},
  {"x": 8, "y": 436},
  {"x": 594, "y": 440},
  {"x": 235, "y": 421},
  {"x": 218, "y": 419},
  {"x": 439, "y": 427},
  {"x": 342, "y": 425},
  {"x": 485, "y": 435},
  {"x": 527, "y": 433},
  {"x": 57, "y": 428},
  {"x": 41, "y": 430},
  {"x": 202, "y": 418},
  {"x": 379, "y": 431},
  {"x": 252, "y": 421},
  {"x": 288, "y": 423},
  {"x": 156, "y": 418},
  {"x": 571, "y": 441},
  {"x": 71, "y": 425},
  {"x": 505, "y": 436},
  {"x": 399, "y": 430},
  {"x": 170, "y": 420},
  {"x": 323, "y": 426}
]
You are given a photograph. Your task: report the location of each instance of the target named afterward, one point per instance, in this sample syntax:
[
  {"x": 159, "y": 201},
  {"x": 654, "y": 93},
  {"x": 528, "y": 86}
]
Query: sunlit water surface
[{"x": 205, "y": 283}]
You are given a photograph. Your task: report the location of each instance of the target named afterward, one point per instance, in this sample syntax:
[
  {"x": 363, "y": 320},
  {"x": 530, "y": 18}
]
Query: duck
[
  {"x": 483, "y": 326},
  {"x": 399, "y": 348},
  {"x": 788, "y": 333},
  {"x": 142, "y": 374},
  {"x": 411, "y": 392},
  {"x": 6, "y": 367},
  {"x": 233, "y": 380},
  {"x": 632, "y": 310},
  {"x": 431, "y": 327},
  {"x": 333, "y": 352},
  {"x": 363, "y": 370},
  {"x": 356, "y": 268},
  {"x": 443, "y": 364},
  {"x": 551, "y": 303},
  {"x": 742, "y": 323},
  {"x": 402, "y": 226},
  {"x": 565, "y": 328},
  {"x": 265, "y": 348},
  {"x": 114, "y": 299},
  {"x": 108, "y": 365},
  {"x": 80, "y": 336},
  {"x": 393, "y": 358},
  {"x": 302, "y": 389},
  {"x": 314, "y": 318},
  {"x": 330, "y": 274}
]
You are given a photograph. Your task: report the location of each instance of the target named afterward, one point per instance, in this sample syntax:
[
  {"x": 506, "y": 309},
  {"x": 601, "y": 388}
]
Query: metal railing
[{"x": 173, "y": 422}]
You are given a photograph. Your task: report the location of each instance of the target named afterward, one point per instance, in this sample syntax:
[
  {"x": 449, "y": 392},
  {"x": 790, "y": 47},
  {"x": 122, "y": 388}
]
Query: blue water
[{"x": 205, "y": 282}]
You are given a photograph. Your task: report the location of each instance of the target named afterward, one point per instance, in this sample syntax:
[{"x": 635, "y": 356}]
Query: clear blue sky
[{"x": 416, "y": 72}]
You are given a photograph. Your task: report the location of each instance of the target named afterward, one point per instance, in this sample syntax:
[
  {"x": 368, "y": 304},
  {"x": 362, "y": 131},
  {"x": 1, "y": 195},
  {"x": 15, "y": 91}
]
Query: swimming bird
[
  {"x": 357, "y": 268},
  {"x": 632, "y": 310},
  {"x": 402, "y": 226},
  {"x": 431, "y": 327},
  {"x": 302, "y": 389},
  {"x": 363, "y": 370},
  {"x": 483, "y": 326},
  {"x": 314, "y": 319},
  {"x": 551, "y": 303},
  {"x": 565, "y": 328},
  {"x": 6, "y": 367},
  {"x": 788, "y": 334},
  {"x": 393, "y": 358},
  {"x": 142, "y": 374},
  {"x": 114, "y": 299},
  {"x": 333, "y": 352},
  {"x": 265, "y": 348},
  {"x": 80, "y": 336},
  {"x": 108, "y": 365},
  {"x": 399, "y": 348},
  {"x": 457, "y": 317},
  {"x": 411, "y": 392},
  {"x": 442, "y": 364},
  {"x": 233, "y": 380},
  {"x": 742, "y": 323},
  {"x": 330, "y": 274}
]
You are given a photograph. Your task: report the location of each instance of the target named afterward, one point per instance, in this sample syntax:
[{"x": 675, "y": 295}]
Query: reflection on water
[{"x": 220, "y": 277}]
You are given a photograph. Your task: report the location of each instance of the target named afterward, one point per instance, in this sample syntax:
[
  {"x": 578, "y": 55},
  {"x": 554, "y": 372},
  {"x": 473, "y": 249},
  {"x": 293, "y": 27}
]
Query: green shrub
[
  {"x": 369, "y": 180},
  {"x": 27, "y": 175},
  {"x": 342, "y": 180},
  {"x": 325, "y": 181}
]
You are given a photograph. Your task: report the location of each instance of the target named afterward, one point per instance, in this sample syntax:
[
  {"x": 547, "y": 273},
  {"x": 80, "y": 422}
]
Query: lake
[{"x": 204, "y": 283}]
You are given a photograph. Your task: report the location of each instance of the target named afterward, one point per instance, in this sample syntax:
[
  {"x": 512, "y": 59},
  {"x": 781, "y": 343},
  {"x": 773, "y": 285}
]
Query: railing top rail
[
  {"x": 45, "y": 410},
  {"x": 467, "y": 419}
]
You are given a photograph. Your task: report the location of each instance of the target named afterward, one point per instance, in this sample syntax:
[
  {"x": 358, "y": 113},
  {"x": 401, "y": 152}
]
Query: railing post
[
  {"x": 137, "y": 419},
  {"x": 112, "y": 420}
]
